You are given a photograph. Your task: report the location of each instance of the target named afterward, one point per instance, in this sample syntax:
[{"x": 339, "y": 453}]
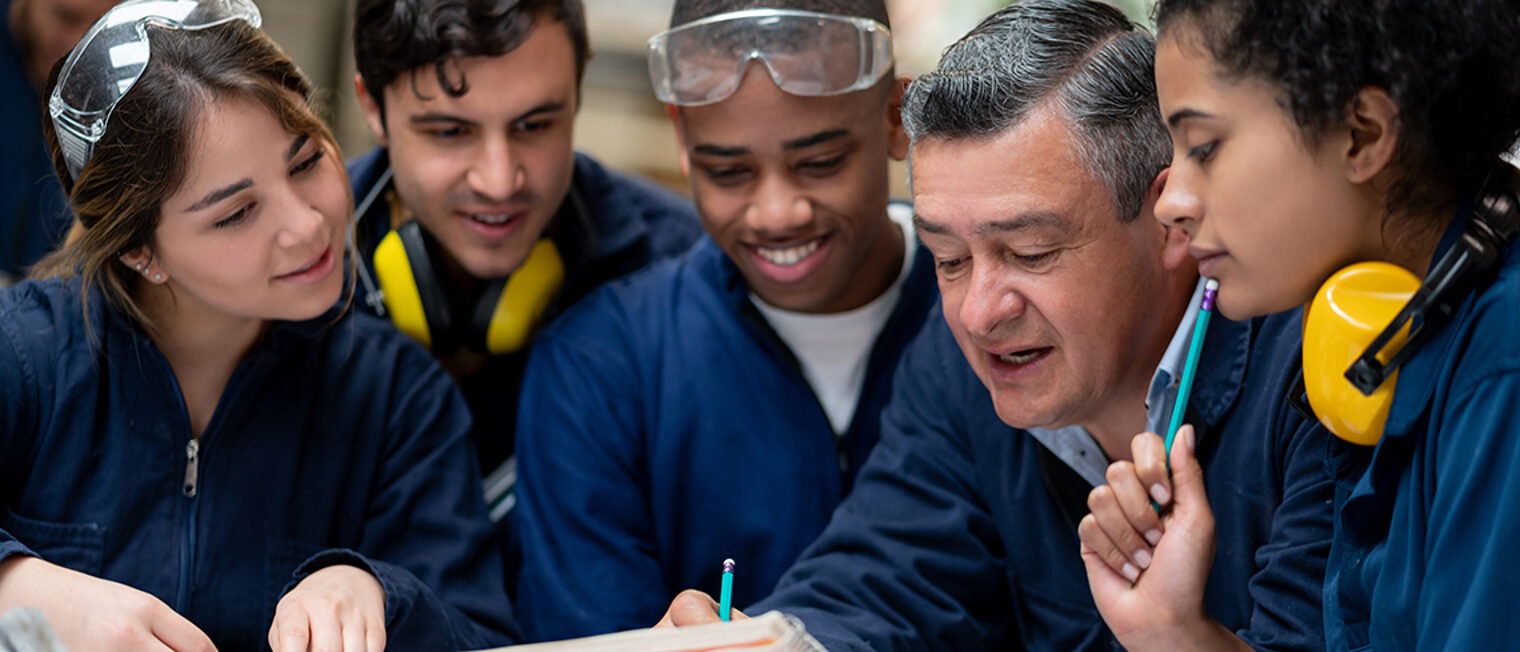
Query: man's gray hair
[{"x": 1086, "y": 57}]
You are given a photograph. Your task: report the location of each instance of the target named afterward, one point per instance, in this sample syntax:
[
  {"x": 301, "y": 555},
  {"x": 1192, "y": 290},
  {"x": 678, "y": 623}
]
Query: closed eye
[
  {"x": 235, "y": 218},
  {"x": 308, "y": 163},
  {"x": 1204, "y": 152}
]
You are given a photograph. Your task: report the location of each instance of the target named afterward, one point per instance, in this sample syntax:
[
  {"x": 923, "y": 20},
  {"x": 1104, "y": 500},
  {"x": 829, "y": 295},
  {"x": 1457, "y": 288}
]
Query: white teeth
[
  {"x": 791, "y": 255},
  {"x": 491, "y": 218},
  {"x": 1021, "y": 358}
]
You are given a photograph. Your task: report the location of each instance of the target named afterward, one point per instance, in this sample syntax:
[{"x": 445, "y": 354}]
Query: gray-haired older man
[{"x": 1038, "y": 154}]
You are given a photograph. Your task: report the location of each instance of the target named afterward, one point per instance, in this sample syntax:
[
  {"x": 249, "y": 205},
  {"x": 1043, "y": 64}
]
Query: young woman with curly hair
[{"x": 1311, "y": 135}]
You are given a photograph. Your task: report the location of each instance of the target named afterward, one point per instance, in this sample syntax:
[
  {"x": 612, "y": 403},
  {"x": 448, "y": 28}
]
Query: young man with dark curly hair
[{"x": 477, "y": 221}]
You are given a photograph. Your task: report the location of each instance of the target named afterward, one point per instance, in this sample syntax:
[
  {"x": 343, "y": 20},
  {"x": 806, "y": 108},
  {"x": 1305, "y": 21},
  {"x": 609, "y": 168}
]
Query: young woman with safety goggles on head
[
  {"x": 196, "y": 446},
  {"x": 1321, "y": 135}
]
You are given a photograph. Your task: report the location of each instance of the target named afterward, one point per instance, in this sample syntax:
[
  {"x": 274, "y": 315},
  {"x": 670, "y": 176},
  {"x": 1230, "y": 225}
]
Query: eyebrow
[
  {"x": 1023, "y": 222},
  {"x": 1176, "y": 118},
  {"x": 790, "y": 145},
  {"x": 295, "y": 147},
  {"x": 815, "y": 139},
  {"x": 217, "y": 195},
  {"x": 434, "y": 117}
]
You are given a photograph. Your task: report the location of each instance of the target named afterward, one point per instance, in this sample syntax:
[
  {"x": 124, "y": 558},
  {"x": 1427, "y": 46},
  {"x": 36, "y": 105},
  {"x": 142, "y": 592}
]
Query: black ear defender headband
[
  {"x": 412, "y": 292},
  {"x": 1368, "y": 319}
]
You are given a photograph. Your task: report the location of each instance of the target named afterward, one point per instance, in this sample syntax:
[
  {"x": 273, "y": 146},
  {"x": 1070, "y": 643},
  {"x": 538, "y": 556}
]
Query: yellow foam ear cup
[
  {"x": 528, "y": 293},
  {"x": 399, "y": 286},
  {"x": 1347, "y": 313}
]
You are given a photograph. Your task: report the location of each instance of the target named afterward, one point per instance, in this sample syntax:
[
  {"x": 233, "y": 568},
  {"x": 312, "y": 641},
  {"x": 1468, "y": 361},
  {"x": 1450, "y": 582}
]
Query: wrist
[
  {"x": 1184, "y": 633},
  {"x": 16, "y": 573}
]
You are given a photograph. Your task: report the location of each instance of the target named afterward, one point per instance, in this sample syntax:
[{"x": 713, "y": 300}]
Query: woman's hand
[
  {"x": 337, "y": 608},
  {"x": 90, "y": 613},
  {"x": 693, "y": 607},
  {"x": 1147, "y": 572}
]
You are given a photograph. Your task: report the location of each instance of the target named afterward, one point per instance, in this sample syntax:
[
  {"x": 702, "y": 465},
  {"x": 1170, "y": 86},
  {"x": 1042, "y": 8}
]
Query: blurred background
[{"x": 620, "y": 121}]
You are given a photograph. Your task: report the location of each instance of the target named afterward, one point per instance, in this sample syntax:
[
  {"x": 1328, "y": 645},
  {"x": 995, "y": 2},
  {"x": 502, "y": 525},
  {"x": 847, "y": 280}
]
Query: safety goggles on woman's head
[
  {"x": 111, "y": 57},
  {"x": 807, "y": 53}
]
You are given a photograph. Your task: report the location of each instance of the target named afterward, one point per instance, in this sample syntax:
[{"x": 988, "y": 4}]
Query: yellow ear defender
[
  {"x": 503, "y": 319},
  {"x": 1369, "y": 318},
  {"x": 1348, "y": 312}
]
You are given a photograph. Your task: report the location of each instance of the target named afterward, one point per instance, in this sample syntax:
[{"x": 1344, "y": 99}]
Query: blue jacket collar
[{"x": 1418, "y": 377}]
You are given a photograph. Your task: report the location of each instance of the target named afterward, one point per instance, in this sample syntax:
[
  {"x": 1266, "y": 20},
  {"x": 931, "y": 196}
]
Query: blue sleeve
[
  {"x": 911, "y": 560},
  {"x": 1286, "y": 589},
  {"x": 19, "y": 404},
  {"x": 1468, "y": 598},
  {"x": 590, "y": 562},
  {"x": 427, "y": 537}
]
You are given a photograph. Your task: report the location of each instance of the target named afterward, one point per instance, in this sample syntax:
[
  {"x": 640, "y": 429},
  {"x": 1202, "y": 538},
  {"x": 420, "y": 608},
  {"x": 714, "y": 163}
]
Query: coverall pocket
[{"x": 77, "y": 546}]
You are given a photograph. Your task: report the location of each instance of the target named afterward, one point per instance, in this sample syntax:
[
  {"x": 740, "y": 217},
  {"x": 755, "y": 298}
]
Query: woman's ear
[
  {"x": 1372, "y": 122},
  {"x": 140, "y": 261}
]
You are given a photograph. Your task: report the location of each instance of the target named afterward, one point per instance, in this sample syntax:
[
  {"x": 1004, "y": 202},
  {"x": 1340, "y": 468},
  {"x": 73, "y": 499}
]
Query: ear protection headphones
[
  {"x": 1369, "y": 318},
  {"x": 412, "y": 292}
]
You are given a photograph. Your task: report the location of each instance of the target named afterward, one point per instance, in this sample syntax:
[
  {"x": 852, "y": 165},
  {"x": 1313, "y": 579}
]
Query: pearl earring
[{"x": 158, "y": 277}]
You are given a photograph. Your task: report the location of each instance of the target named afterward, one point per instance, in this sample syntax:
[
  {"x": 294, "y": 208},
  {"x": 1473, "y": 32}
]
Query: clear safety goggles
[
  {"x": 111, "y": 57},
  {"x": 807, "y": 53}
]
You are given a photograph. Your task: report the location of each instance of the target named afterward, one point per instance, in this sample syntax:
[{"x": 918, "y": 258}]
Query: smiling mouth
[
  {"x": 788, "y": 256},
  {"x": 1023, "y": 357},
  {"x": 493, "y": 219},
  {"x": 312, "y": 265}
]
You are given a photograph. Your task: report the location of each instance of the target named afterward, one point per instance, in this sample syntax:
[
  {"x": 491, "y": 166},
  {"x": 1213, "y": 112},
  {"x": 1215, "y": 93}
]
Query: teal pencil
[
  {"x": 1195, "y": 350},
  {"x": 726, "y": 594}
]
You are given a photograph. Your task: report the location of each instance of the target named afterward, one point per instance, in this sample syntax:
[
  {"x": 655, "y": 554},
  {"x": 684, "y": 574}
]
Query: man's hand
[
  {"x": 90, "y": 613},
  {"x": 337, "y": 608},
  {"x": 693, "y": 607},
  {"x": 1147, "y": 572}
]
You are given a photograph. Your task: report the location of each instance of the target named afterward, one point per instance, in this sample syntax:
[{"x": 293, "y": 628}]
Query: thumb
[{"x": 1187, "y": 474}]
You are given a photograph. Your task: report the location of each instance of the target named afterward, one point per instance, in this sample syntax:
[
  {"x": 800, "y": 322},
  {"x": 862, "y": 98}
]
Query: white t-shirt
[{"x": 834, "y": 349}]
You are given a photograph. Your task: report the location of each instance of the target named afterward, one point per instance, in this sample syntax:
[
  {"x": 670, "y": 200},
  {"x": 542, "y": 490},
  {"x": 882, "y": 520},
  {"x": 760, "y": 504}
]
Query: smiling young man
[
  {"x": 477, "y": 221},
  {"x": 718, "y": 405},
  {"x": 1037, "y": 161}
]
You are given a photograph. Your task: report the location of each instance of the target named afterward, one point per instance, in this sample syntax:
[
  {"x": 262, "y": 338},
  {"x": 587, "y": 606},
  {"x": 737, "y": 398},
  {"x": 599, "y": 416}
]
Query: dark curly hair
[
  {"x": 392, "y": 37},
  {"x": 1451, "y": 66}
]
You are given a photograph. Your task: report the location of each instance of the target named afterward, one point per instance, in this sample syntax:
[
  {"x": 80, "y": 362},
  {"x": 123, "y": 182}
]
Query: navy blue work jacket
[
  {"x": 627, "y": 224},
  {"x": 1428, "y": 531},
  {"x": 336, "y": 441},
  {"x": 961, "y": 531},
  {"x": 33, "y": 211},
  {"x": 666, "y": 427}
]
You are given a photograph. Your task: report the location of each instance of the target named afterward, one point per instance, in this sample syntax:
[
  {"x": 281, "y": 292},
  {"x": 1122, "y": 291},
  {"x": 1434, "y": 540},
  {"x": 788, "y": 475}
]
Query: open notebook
[{"x": 770, "y": 631}]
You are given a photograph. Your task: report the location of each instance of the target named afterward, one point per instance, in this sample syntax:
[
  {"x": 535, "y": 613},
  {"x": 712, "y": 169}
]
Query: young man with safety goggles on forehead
[{"x": 718, "y": 405}]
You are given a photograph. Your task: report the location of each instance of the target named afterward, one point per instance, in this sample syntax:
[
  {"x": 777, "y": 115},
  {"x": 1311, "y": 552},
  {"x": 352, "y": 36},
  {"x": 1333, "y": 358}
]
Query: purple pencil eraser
[
  {"x": 728, "y": 565},
  {"x": 1210, "y": 289}
]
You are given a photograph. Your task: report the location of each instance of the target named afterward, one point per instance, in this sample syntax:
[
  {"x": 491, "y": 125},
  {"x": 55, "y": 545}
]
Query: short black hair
[
  {"x": 1451, "y": 66},
  {"x": 1083, "y": 57},
  {"x": 686, "y": 11},
  {"x": 392, "y": 37}
]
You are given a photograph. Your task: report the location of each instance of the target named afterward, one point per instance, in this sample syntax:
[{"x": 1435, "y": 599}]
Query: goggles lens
[
  {"x": 111, "y": 57},
  {"x": 807, "y": 53}
]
